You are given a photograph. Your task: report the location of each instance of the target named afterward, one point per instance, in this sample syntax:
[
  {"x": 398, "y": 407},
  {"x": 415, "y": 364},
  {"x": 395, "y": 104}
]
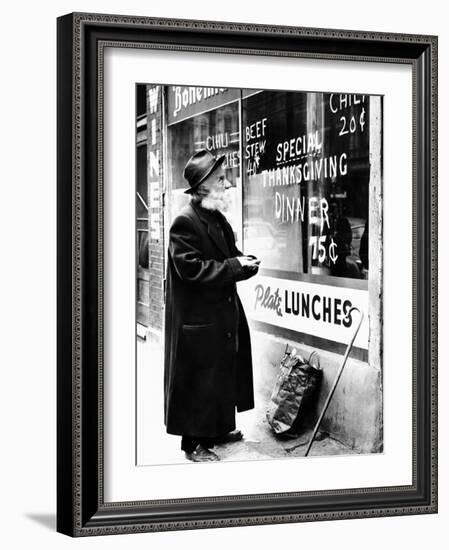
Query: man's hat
[{"x": 199, "y": 166}]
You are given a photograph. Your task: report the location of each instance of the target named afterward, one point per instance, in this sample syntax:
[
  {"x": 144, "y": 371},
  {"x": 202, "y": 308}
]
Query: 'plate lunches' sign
[{"x": 310, "y": 308}]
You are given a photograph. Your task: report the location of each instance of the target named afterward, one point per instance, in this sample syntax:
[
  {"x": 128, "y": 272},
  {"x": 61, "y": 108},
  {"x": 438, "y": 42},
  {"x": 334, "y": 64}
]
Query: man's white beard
[{"x": 217, "y": 200}]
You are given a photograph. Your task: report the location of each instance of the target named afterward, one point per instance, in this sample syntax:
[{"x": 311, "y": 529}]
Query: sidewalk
[{"x": 155, "y": 446}]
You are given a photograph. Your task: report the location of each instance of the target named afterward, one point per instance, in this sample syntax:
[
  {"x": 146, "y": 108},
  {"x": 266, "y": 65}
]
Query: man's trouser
[{"x": 188, "y": 444}]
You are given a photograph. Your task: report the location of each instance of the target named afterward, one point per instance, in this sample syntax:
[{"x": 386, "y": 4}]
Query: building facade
[{"x": 306, "y": 174}]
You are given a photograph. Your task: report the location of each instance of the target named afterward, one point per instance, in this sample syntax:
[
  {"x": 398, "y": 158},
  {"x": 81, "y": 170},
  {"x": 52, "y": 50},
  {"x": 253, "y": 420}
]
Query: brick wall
[{"x": 155, "y": 213}]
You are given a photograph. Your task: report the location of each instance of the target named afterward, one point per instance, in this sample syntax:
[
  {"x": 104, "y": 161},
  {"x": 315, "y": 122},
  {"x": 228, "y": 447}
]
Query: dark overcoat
[{"x": 208, "y": 367}]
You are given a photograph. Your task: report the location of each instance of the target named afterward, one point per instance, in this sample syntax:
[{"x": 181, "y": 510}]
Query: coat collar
[{"x": 211, "y": 219}]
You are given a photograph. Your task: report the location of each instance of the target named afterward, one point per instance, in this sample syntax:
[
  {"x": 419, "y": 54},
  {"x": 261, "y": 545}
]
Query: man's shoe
[
  {"x": 201, "y": 454},
  {"x": 230, "y": 437}
]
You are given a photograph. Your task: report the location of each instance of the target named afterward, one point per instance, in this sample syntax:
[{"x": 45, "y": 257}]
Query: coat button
[
  {"x": 228, "y": 334},
  {"x": 230, "y": 299}
]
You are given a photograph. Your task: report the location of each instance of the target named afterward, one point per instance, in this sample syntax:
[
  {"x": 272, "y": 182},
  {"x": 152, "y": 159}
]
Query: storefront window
[
  {"x": 304, "y": 204},
  {"x": 218, "y": 132},
  {"x": 306, "y": 182},
  {"x": 142, "y": 205}
]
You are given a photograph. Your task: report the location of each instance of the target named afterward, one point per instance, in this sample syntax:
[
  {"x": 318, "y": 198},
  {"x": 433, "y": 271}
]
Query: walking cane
[{"x": 337, "y": 378}]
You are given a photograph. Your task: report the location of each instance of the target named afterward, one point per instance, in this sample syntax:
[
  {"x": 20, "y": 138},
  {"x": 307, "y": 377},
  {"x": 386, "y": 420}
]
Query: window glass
[
  {"x": 218, "y": 132},
  {"x": 141, "y": 107},
  {"x": 142, "y": 183},
  {"x": 306, "y": 182}
]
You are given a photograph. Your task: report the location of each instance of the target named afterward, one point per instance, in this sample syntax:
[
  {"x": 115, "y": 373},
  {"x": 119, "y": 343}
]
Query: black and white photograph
[
  {"x": 259, "y": 261},
  {"x": 223, "y": 296}
]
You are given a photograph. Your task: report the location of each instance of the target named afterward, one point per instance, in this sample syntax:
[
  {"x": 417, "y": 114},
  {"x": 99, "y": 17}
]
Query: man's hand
[{"x": 248, "y": 262}]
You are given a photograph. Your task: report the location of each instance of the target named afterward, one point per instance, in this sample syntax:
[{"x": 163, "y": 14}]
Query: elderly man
[{"x": 208, "y": 367}]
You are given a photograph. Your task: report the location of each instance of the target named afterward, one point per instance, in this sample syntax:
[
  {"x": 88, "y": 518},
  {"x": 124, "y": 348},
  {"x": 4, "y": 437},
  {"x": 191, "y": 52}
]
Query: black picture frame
[{"x": 81, "y": 510}]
